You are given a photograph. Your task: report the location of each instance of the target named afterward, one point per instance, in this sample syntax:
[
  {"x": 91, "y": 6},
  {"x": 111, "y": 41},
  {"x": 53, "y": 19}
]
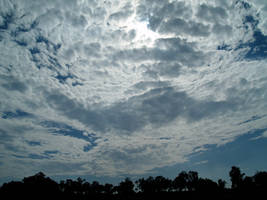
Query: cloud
[
  {"x": 14, "y": 85},
  {"x": 157, "y": 106},
  {"x": 124, "y": 13},
  {"x": 105, "y": 88},
  {"x": 162, "y": 69},
  {"x": 180, "y": 27},
  {"x": 166, "y": 50},
  {"x": 211, "y": 13}
]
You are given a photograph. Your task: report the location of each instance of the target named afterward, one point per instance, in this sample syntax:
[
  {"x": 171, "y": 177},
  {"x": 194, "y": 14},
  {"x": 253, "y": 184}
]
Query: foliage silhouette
[
  {"x": 187, "y": 185},
  {"x": 180, "y": 182},
  {"x": 236, "y": 177}
]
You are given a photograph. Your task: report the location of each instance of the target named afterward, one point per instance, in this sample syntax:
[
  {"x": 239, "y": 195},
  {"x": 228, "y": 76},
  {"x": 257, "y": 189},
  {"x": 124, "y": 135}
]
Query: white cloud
[{"x": 154, "y": 81}]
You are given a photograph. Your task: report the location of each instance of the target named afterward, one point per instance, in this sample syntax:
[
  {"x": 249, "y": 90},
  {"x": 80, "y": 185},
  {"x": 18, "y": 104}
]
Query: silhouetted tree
[
  {"x": 12, "y": 190},
  {"x": 108, "y": 188},
  {"x": 206, "y": 185},
  {"x": 180, "y": 182},
  {"x": 184, "y": 186},
  {"x": 39, "y": 185},
  {"x": 260, "y": 179},
  {"x": 125, "y": 188},
  {"x": 161, "y": 184},
  {"x": 145, "y": 185},
  {"x": 236, "y": 177},
  {"x": 221, "y": 184},
  {"x": 96, "y": 188},
  {"x": 247, "y": 183},
  {"x": 192, "y": 180}
]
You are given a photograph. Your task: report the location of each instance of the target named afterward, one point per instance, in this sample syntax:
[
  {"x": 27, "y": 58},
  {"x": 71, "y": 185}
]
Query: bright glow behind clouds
[
  {"x": 144, "y": 36},
  {"x": 116, "y": 87}
]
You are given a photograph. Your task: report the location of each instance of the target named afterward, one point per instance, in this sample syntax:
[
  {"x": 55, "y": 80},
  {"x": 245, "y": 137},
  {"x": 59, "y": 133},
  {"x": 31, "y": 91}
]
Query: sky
[{"x": 106, "y": 89}]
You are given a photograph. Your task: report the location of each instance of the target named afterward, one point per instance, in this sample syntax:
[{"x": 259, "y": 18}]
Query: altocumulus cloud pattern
[{"x": 116, "y": 87}]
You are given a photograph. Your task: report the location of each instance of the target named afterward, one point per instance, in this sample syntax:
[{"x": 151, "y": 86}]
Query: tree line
[{"x": 186, "y": 185}]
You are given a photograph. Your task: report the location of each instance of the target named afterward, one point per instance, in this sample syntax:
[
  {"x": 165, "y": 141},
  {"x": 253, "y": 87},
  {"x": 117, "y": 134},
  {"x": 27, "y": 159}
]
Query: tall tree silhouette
[
  {"x": 180, "y": 182},
  {"x": 236, "y": 177}
]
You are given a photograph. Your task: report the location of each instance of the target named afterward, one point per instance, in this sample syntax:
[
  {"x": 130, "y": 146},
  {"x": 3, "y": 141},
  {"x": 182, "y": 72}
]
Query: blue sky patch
[
  {"x": 33, "y": 143},
  {"x": 63, "y": 78},
  {"x": 216, "y": 162},
  {"x": 253, "y": 118},
  {"x": 37, "y": 157},
  {"x": 64, "y": 129},
  {"x": 258, "y": 47},
  {"x": 16, "y": 114}
]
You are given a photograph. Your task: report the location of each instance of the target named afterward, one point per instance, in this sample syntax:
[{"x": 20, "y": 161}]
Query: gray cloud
[
  {"x": 222, "y": 29},
  {"x": 144, "y": 85},
  {"x": 125, "y": 12},
  {"x": 76, "y": 21},
  {"x": 172, "y": 17},
  {"x": 165, "y": 50},
  {"x": 176, "y": 49},
  {"x": 158, "y": 106},
  {"x": 12, "y": 84},
  {"x": 162, "y": 69},
  {"x": 180, "y": 26},
  {"x": 156, "y": 11},
  {"x": 92, "y": 49},
  {"x": 211, "y": 13}
]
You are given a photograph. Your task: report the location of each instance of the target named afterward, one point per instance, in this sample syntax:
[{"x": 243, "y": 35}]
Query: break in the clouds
[{"x": 125, "y": 87}]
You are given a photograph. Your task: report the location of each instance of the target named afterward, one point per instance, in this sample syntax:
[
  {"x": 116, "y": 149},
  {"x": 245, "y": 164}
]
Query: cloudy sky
[{"x": 109, "y": 88}]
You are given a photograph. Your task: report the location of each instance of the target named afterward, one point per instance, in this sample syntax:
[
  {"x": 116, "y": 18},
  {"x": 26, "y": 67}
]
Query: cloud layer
[{"x": 123, "y": 87}]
